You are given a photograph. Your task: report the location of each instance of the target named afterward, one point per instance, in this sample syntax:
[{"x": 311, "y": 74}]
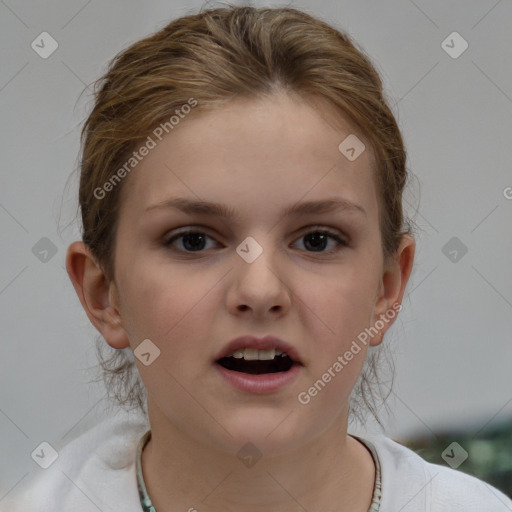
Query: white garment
[{"x": 96, "y": 471}]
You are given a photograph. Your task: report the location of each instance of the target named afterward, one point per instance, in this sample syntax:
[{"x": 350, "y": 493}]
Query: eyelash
[{"x": 331, "y": 234}]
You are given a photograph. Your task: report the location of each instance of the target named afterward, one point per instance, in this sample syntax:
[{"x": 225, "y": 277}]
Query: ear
[
  {"x": 392, "y": 286},
  {"x": 98, "y": 297}
]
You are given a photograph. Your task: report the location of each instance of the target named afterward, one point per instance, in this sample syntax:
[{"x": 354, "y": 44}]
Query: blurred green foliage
[{"x": 489, "y": 453}]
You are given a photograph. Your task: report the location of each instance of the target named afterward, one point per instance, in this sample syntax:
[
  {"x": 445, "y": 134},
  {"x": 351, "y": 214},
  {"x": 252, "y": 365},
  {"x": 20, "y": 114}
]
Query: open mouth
[{"x": 252, "y": 364}]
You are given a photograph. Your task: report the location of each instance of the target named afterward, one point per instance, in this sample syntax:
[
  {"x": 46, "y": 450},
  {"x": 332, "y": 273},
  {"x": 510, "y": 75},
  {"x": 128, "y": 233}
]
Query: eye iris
[
  {"x": 194, "y": 246},
  {"x": 317, "y": 238}
]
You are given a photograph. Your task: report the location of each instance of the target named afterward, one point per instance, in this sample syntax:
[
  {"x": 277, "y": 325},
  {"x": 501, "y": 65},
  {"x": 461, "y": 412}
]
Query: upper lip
[{"x": 266, "y": 343}]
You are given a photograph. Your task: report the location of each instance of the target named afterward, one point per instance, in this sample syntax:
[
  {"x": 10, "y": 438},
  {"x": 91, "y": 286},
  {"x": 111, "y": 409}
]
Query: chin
[{"x": 267, "y": 433}]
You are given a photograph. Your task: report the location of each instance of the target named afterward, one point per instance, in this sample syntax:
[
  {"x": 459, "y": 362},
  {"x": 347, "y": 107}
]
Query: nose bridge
[
  {"x": 259, "y": 253},
  {"x": 258, "y": 276},
  {"x": 250, "y": 250}
]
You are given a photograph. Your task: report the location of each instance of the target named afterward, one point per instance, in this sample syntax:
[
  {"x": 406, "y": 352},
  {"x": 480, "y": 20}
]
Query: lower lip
[{"x": 261, "y": 383}]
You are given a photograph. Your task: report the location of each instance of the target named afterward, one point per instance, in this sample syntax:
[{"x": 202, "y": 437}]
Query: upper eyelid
[{"x": 206, "y": 230}]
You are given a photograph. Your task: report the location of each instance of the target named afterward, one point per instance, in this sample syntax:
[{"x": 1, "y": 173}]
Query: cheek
[
  {"x": 166, "y": 305},
  {"x": 342, "y": 310},
  {"x": 339, "y": 306}
]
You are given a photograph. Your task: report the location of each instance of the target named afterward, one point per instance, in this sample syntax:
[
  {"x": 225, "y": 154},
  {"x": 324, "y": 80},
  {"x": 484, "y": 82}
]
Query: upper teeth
[{"x": 253, "y": 354}]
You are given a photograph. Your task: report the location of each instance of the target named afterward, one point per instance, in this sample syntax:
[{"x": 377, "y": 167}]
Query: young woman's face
[{"x": 193, "y": 295}]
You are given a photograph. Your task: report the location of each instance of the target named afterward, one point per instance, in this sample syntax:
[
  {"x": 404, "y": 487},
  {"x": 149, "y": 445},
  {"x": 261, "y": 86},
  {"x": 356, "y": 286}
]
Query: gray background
[{"x": 452, "y": 341}]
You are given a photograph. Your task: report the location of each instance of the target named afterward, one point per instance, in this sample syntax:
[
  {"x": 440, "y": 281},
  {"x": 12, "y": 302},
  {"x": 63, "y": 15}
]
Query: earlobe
[
  {"x": 392, "y": 287},
  {"x": 98, "y": 297}
]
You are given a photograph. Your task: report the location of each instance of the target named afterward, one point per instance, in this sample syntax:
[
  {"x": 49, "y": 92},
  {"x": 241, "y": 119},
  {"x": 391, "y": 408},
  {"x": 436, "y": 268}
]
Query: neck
[{"x": 333, "y": 471}]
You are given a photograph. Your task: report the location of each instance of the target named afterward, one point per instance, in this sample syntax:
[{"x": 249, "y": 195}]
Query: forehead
[{"x": 255, "y": 152}]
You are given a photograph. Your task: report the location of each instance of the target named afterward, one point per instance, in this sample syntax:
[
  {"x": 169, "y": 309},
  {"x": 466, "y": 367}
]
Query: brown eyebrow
[{"x": 192, "y": 206}]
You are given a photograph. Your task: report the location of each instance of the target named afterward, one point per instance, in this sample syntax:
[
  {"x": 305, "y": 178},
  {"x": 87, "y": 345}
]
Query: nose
[{"x": 260, "y": 285}]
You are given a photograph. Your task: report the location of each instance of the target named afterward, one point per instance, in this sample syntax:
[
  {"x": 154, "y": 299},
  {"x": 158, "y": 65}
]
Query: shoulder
[
  {"x": 94, "y": 471},
  {"x": 409, "y": 483}
]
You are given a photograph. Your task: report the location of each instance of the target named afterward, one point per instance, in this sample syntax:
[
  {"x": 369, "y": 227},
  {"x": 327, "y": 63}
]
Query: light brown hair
[{"x": 214, "y": 57}]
